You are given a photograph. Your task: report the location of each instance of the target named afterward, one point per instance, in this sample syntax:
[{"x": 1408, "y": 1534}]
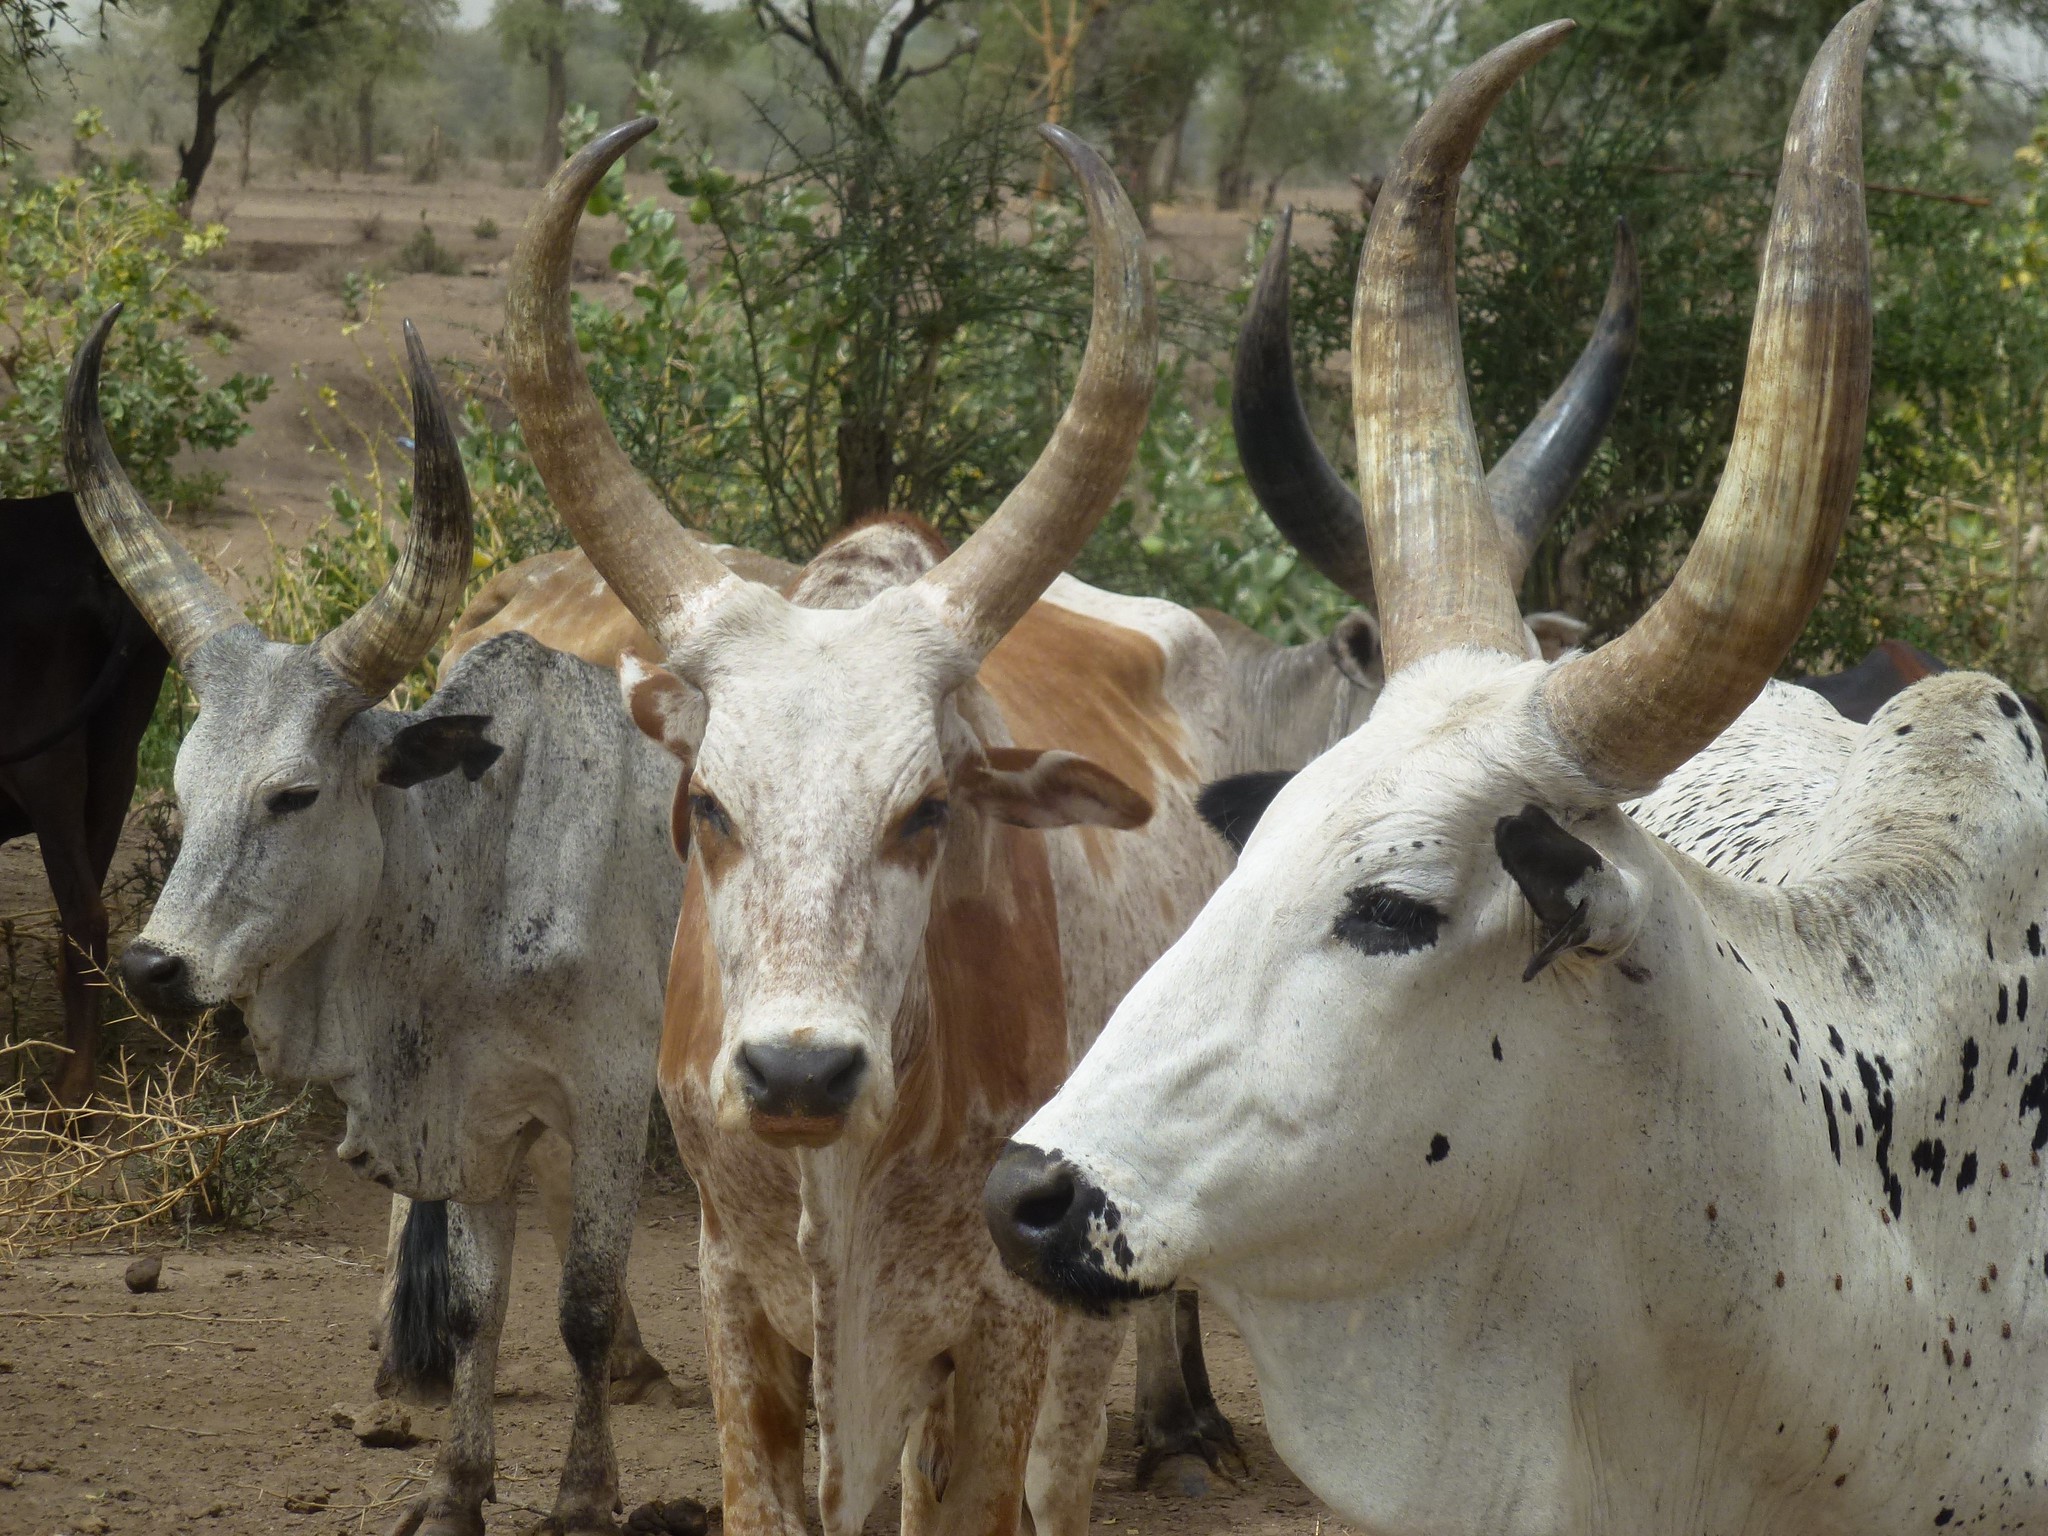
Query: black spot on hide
[
  {"x": 1969, "y": 1072},
  {"x": 1877, "y": 1104},
  {"x": 1966, "y": 1175},
  {"x": 1233, "y": 806},
  {"x": 1439, "y": 1148},
  {"x": 1930, "y": 1158}
]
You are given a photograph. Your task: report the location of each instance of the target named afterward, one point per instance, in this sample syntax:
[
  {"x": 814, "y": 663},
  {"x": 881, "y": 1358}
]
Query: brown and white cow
[{"x": 898, "y": 927}]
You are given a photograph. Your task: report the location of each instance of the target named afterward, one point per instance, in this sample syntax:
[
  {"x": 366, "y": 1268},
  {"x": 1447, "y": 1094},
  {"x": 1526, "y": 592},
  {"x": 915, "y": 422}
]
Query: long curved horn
[
  {"x": 388, "y": 636},
  {"x": 185, "y": 606},
  {"x": 1318, "y": 513},
  {"x": 1530, "y": 484},
  {"x": 1299, "y": 488},
  {"x": 986, "y": 584},
  {"x": 641, "y": 551},
  {"x": 1634, "y": 710},
  {"x": 1438, "y": 558}
]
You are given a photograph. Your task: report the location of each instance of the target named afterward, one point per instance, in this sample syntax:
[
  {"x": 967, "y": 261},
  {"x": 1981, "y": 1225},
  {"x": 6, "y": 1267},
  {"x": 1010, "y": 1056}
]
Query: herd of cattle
[{"x": 1598, "y": 1085}]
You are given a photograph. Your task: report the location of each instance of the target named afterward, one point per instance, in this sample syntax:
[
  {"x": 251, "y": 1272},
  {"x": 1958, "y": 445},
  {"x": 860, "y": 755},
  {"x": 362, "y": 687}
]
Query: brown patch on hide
[
  {"x": 996, "y": 1040},
  {"x": 693, "y": 1013},
  {"x": 1063, "y": 679}
]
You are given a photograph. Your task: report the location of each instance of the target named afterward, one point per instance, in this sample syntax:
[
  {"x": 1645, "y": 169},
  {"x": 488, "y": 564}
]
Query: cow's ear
[
  {"x": 1556, "y": 633},
  {"x": 1051, "y": 789},
  {"x": 433, "y": 745},
  {"x": 1355, "y": 647},
  {"x": 668, "y": 710},
  {"x": 1234, "y": 805},
  {"x": 1584, "y": 903}
]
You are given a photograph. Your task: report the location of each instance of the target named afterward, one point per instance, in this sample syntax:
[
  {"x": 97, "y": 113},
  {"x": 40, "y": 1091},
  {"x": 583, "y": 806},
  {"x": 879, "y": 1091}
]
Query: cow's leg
[
  {"x": 53, "y": 790},
  {"x": 1073, "y": 1426},
  {"x": 636, "y": 1376},
  {"x": 998, "y": 1374},
  {"x": 759, "y": 1382},
  {"x": 605, "y": 1194},
  {"x": 478, "y": 1258},
  {"x": 927, "y": 1463},
  {"x": 1178, "y": 1419}
]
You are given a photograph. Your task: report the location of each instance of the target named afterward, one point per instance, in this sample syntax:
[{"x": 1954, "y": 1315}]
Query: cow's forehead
[
  {"x": 275, "y": 706},
  {"x": 1444, "y": 750},
  {"x": 824, "y": 698}
]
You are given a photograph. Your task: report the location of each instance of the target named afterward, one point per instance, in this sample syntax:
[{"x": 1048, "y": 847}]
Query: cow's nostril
[
  {"x": 156, "y": 977},
  {"x": 1042, "y": 1208}
]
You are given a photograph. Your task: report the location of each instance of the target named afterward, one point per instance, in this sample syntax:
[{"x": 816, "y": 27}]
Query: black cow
[{"x": 79, "y": 676}]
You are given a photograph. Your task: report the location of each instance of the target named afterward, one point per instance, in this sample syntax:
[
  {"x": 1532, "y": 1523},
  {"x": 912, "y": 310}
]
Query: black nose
[
  {"x": 1057, "y": 1230},
  {"x": 157, "y": 980},
  {"x": 803, "y": 1081}
]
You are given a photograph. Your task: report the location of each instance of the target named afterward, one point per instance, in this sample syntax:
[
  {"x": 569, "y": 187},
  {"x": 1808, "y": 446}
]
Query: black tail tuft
[{"x": 419, "y": 1334}]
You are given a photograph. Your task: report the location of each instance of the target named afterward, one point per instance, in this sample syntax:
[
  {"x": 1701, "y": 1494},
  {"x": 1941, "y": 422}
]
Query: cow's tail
[{"x": 419, "y": 1333}]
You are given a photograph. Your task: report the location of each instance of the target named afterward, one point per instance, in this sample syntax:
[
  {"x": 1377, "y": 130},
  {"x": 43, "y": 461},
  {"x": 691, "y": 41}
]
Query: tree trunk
[
  {"x": 555, "y": 59},
  {"x": 193, "y": 159},
  {"x": 865, "y": 471},
  {"x": 245, "y": 118},
  {"x": 1176, "y": 136},
  {"x": 1132, "y": 152},
  {"x": 1233, "y": 178},
  {"x": 366, "y": 125}
]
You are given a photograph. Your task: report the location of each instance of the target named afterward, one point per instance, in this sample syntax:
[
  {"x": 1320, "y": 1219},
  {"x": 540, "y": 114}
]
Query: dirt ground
[{"x": 207, "y": 1409}]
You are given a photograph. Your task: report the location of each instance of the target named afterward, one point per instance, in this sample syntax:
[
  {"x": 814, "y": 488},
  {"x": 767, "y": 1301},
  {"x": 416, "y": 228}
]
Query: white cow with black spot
[{"x": 1558, "y": 1181}]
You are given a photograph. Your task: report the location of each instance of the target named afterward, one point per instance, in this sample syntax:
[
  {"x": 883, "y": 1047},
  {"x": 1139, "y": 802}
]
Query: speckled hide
[
  {"x": 867, "y": 1257},
  {"x": 472, "y": 959},
  {"x": 1729, "y": 1221}
]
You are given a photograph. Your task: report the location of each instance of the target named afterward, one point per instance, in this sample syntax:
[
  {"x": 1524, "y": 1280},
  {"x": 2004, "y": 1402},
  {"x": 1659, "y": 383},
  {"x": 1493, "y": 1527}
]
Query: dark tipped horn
[
  {"x": 1534, "y": 478},
  {"x": 389, "y": 635},
  {"x": 1309, "y": 501},
  {"x": 185, "y": 606},
  {"x": 1301, "y": 491}
]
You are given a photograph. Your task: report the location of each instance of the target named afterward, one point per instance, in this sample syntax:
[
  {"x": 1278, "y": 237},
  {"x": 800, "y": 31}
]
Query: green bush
[
  {"x": 73, "y": 248},
  {"x": 423, "y": 253}
]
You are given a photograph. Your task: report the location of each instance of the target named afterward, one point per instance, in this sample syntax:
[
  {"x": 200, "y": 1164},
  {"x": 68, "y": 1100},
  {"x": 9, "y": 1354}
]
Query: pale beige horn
[
  {"x": 1439, "y": 561},
  {"x": 374, "y": 648},
  {"x": 986, "y": 584},
  {"x": 185, "y": 606},
  {"x": 1634, "y": 710},
  {"x": 642, "y": 552}
]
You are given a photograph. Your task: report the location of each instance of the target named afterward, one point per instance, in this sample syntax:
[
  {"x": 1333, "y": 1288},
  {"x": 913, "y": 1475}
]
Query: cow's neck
[{"x": 1291, "y": 704}]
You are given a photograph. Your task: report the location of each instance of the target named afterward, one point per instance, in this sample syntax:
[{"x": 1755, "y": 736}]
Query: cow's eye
[
  {"x": 928, "y": 815},
  {"x": 1379, "y": 921},
  {"x": 707, "y": 810},
  {"x": 283, "y": 802}
]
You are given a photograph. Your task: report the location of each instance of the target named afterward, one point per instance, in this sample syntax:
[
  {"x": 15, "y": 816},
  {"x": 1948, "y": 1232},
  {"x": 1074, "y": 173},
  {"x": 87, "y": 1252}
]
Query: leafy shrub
[
  {"x": 423, "y": 253},
  {"x": 486, "y": 228},
  {"x": 73, "y": 248}
]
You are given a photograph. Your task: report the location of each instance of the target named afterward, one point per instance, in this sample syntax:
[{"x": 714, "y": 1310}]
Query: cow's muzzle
[
  {"x": 1058, "y": 1231},
  {"x": 800, "y": 1095},
  {"x": 158, "y": 980}
]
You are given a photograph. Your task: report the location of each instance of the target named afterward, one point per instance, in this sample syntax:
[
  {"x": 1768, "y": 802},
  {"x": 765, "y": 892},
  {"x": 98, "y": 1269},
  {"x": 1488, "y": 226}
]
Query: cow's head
[
  {"x": 278, "y": 779},
  {"x": 1440, "y": 933},
  {"x": 831, "y": 739}
]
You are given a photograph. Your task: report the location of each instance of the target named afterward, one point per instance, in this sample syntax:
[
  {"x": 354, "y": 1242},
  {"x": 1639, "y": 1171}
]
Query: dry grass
[{"x": 176, "y": 1136}]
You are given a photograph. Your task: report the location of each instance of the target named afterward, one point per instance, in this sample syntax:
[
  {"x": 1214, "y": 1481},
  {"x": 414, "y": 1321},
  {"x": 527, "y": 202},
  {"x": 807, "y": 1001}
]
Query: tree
[
  {"x": 541, "y": 30},
  {"x": 237, "y": 44},
  {"x": 866, "y": 63},
  {"x": 1059, "y": 42},
  {"x": 1264, "y": 42},
  {"x": 1137, "y": 75},
  {"x": 663, "y": 31},
  {"x": 28, "y": 29}
]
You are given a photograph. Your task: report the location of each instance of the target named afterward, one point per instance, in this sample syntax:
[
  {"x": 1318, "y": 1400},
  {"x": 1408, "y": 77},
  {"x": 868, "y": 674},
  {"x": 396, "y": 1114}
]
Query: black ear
[
  {"x": 1234, "y": 805},
  {"x": 436, "y": 744},
  {"x": 1547, "y": 862}
]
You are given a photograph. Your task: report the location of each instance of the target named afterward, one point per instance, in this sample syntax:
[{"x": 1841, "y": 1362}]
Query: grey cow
[{"x": 459, "y": 919}]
